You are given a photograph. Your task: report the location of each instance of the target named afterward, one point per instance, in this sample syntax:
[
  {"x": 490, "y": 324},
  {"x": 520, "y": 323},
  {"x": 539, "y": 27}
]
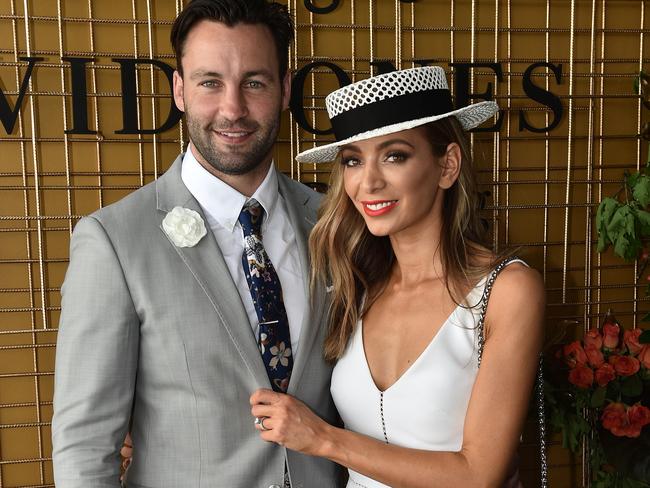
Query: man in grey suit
[{"x": 158, "y": 330}]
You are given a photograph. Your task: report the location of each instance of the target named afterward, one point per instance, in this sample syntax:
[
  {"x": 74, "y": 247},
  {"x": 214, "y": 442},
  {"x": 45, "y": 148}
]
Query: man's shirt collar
[{"x": 221, "y": 201}]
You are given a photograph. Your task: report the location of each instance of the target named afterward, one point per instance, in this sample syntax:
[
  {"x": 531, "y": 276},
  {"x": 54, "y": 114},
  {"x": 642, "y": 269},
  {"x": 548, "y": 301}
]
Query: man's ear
[
  {"x": 286, "y": 89},
  {"x": 178, "y": 91},
  {"x": 451, "y": 163}
]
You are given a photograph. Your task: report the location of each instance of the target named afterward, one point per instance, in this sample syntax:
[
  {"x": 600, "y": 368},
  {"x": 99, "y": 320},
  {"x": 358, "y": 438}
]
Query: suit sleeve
[{"x": 96, "y": 363}]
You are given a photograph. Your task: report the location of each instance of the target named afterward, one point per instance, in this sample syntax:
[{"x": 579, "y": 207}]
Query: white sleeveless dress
[{"x": 425, "y": 408}]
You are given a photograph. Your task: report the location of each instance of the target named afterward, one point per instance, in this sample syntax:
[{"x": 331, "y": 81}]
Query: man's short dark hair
[{"x": 232, "y": 12}]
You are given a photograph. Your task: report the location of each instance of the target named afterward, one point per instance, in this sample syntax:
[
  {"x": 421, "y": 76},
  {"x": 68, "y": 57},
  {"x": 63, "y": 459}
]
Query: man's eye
[
  {"x": 255, "y": 84},
  {"x": 209, "y": 84}
]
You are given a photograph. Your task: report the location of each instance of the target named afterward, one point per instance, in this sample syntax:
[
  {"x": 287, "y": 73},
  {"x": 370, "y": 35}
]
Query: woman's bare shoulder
[
  {"x": 517, "y": 297},
  {"x": 519, "y": 279}
]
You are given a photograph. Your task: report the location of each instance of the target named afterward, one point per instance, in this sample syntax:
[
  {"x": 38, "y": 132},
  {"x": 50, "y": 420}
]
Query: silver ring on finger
[{"x": 260, "y": 421}]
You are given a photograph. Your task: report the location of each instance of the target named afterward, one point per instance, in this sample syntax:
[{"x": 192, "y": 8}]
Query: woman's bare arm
[{"x": 495, "y": 416}]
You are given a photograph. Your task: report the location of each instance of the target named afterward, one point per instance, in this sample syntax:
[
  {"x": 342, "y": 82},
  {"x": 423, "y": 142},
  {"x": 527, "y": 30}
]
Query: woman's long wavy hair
[{"x": 359, "y": 264}]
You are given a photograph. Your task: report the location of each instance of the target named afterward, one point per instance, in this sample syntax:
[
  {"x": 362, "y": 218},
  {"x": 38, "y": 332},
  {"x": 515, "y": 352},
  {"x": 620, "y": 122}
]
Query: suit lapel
[
  {"x": 206, "y": 263},
  {"x": 302, "y": 215}
]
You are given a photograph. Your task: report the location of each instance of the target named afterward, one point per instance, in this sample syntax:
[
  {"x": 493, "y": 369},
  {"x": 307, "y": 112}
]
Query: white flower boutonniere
[{"x": 184, "y": 227}]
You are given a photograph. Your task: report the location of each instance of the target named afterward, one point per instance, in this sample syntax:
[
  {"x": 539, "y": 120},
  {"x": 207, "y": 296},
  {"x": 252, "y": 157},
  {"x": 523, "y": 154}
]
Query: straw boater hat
[{"x": 389, "y": 103}]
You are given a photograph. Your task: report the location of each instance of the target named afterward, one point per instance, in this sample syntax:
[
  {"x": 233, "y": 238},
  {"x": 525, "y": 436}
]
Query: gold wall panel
[{"x": 544, "y": 187}]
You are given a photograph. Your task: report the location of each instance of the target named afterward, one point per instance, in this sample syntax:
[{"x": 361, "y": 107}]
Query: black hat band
[{"x": 394, "y": 110}]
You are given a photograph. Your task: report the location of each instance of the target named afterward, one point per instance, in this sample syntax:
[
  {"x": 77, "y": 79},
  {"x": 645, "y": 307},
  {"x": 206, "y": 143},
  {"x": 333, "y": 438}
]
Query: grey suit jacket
[{"x": 158, "y": 334}]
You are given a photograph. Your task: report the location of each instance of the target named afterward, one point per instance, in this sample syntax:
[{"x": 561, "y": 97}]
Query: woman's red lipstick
[{"x": 375, "y": 208}]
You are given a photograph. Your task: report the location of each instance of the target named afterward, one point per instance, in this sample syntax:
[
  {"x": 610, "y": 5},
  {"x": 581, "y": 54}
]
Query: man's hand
[{"x": 126, "y": 452}]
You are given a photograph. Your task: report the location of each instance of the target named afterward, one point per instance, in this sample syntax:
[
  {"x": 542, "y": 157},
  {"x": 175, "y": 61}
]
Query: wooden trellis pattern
[{"x": 544, "y": 187}]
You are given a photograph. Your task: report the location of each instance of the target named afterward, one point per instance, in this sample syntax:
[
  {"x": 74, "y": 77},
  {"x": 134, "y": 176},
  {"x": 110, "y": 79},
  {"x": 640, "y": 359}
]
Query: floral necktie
[{"x": 274, "y": 339}]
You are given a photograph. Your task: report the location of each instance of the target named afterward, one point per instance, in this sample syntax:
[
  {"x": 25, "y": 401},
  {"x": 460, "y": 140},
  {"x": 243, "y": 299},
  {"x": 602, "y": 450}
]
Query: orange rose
[
  {"x": 594, "y": 356},
  {"x": 644, "y": 355},
  {"x": 631, "y": 430},
  {"x": 593, "y": 338},
  {"x": 639, "y": 415},
  {"x": 574, "y": 354},
  {"x": 625, "y": 365},
  {"x": 582, "y": 376},
  {"x": 605, "y": 374},
  {"x": 631, "y": 340},
  {"x": 611, "y": 331},
  {"x": 614, "y": 418}
]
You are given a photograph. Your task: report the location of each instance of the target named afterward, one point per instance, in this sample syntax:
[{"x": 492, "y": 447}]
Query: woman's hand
[{"x": 288, "y": 422}]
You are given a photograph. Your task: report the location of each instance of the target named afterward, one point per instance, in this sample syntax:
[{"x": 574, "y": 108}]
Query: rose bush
[{"x": 597, "y": 388}]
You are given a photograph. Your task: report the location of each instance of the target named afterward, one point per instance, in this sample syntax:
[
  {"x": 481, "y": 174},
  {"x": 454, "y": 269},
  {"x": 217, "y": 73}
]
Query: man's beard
[{"x": 236, "y": 160}]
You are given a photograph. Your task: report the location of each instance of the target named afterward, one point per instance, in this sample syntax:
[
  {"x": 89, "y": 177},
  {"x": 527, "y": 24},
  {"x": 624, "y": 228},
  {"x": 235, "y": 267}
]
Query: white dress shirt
[{"x": 221, "y": 205}]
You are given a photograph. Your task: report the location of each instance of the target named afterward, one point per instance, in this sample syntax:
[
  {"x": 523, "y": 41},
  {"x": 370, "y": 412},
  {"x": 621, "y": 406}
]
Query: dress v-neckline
[{"x": 422, "y": 353}]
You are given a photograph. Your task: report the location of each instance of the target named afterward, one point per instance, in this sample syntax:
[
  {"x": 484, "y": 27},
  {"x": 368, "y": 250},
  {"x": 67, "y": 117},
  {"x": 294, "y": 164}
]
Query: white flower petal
[{"x": 184, "y": 226}]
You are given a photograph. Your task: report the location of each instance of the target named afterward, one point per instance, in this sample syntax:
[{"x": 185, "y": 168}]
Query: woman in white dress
[{"x": 405, "y": 256}]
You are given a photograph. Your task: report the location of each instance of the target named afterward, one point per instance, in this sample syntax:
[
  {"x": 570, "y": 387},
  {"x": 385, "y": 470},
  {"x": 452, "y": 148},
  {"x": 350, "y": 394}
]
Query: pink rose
[
  {"x": 625, "y": 365},
  {"x": 593, "y": 338},
  {"x": 614, "y": 418},
  {"x": 581, "y": 376},
  {"x": 624, "y": 421},
  {"x": 594, "y": 356},
  {"x": 574, "y": 354},
  {"x": 611, "y": 332},
  {"x": 639, "y": 414},
  {"x": 644, "y": 355},
  {"x": 605, "y": 374},
  {"x": 631, "y": 430},
  {"x": 631, "y": 340}
]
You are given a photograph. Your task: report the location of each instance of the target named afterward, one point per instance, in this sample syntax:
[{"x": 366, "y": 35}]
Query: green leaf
[
  {"x": 631, "y": 180},
  {"x": 644, "y": 338},
  {"x": 598, "y": 398},
  {"x": 641, "y": 191},
  {"x": 634, "y": 248},
  {"x": 603, "y": 242},
  {"x": 613, "y": 388},
  {"x": 605, "y": 212},
  {"x": 622, "y": 246},
  {"x": 617, "y": 224},
  {"x": 631, "y": 386},
  {"x": 643, "y": 218}
]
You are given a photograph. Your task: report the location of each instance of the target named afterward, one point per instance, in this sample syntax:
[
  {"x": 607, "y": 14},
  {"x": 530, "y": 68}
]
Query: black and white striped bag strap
[{"x": 539, "y": 385}]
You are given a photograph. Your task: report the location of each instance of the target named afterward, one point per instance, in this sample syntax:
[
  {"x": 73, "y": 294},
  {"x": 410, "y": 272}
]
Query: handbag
[{"x": 539, "y": 383}]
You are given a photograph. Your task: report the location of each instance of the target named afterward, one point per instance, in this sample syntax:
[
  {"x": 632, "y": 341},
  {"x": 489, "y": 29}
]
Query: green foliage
[
  {"x": 598, "y": 398},
  {"x": 631, "y": 386},
  {"x": 625, "y": 225},
  {"x": 641, "y": 190}
]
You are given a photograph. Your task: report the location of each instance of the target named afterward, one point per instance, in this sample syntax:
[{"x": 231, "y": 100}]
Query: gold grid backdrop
[{"x": 544, "y": 187}]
